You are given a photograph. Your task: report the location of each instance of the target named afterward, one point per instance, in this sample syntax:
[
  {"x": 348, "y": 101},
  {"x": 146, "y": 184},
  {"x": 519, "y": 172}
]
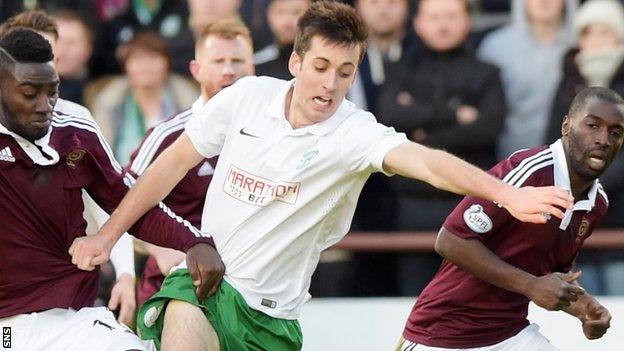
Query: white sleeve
[
  {"x": 366, "y": 143},
  {"x": 207, "y": 130},
  {"x": 122, "y": 255}
]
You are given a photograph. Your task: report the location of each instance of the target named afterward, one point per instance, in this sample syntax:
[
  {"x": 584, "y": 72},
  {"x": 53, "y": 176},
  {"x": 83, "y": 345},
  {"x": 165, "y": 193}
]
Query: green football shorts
[{"x": 238, "y": 326}]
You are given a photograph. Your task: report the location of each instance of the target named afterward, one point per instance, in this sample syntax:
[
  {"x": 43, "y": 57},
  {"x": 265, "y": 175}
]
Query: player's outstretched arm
[
  {"x": 447, "y": 172},
  {"x": 554, "y": 291},
  {"x": 152, "y": 187},
  {"x": 595, "y": 318}
]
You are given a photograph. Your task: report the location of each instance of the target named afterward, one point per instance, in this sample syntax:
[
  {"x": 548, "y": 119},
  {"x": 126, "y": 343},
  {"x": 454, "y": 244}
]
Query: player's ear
[
  {"x": 194, "y": 68},
  {"x": 294, "y": 63},
  {"x": 565, "y": 126}
]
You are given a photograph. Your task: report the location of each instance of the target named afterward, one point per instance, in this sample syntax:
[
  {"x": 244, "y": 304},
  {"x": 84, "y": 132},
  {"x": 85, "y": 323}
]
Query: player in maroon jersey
[
  {"x": 46, "y": 159},
  {"x": 223, "y": 54},
  {"x": 494, "y": 264}
]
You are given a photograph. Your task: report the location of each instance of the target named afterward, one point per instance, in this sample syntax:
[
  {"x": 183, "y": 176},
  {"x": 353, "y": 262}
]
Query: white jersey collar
[
  {"x": 562, "y": 180},
  {"x": 37, "y": 149},
  {"x": 278, "y": 104}
]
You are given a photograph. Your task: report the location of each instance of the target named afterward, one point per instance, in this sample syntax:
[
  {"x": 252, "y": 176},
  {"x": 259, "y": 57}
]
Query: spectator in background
[
  {"x": 282, "y": 16},
  {"x": 10, "y": 8},
  {"x": 205, "y": 12},
  {"x": 72, "y": 52},
  {"x": 253, "y": 13},
  {"x": 166, "y": 17},
  {"x": 597, "y": 61},
  {"x": 386, "y": 21},
  {"x": 529, "y": 52},
  {"x": 148, "y": 93},
  {"x": 443, "y": 97},
  {"x": 223, "y": 54}
]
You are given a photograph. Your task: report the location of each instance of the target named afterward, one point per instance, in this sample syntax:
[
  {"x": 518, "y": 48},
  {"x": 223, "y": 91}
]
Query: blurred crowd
[{"x": 479, "y": 78}]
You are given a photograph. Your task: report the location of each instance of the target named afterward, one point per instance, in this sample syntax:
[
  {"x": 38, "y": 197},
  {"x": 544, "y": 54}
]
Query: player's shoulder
[
  {"x": 172, "y": 124},
  {"x": 263, "y": 82},
  {"x": 77, "y": 124},
  {"x": 67, "y": 107},
  {"x": 533, "y": 153},
  {"x": 254, "y": 88},
  {"x": 528, "y": 167}
]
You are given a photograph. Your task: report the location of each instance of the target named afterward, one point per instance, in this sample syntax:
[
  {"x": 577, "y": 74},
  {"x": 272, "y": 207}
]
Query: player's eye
[
  {"x": 345, "y": 74},
  {"x": 592, "y": 125}
]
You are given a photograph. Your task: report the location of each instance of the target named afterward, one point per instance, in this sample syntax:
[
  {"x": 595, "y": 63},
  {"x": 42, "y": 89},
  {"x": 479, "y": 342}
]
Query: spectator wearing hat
[{"x": 528, "y": 52}]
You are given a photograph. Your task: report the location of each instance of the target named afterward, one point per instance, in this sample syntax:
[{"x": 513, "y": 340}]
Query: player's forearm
[
  {"x": 445, "y": 171},
  {"x": 475, "y": 258}
]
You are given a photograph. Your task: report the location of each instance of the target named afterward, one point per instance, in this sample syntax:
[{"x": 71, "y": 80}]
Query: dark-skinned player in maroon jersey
[
  {"x": 46, "y": 159},
  {"x": 494, "y": 265}
]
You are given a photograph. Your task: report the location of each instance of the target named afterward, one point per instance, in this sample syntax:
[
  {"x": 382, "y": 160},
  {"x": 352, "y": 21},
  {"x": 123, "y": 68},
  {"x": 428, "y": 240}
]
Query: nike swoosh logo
[{"x": 243, "y": 132}]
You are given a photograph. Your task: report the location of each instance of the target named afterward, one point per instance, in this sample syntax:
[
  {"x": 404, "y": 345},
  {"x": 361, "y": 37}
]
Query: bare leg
[{"x": 186, "y": 328}]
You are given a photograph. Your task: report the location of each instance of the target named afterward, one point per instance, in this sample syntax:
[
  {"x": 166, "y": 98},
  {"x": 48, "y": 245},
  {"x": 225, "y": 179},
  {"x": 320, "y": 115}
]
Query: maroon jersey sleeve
[
  {"x": 159, "y": 226},
  {"x": 476, "y": 218}
]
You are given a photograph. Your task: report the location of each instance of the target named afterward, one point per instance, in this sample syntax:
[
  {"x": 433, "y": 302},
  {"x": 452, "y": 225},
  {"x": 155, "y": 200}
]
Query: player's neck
[
  {"x": 292, "y": 113},
  {"x": 579, "y": 187}
]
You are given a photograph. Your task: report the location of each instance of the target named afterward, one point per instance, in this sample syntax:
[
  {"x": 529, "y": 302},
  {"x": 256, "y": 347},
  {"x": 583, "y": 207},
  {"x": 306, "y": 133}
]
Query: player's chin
[{"x": 36, "y": 132}]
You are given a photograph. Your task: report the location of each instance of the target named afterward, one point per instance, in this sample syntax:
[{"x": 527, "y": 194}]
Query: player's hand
[
  {"x": 123, "y": 296},
  {"x": 596, "y": 321},
  {"x": 555, "y": 290},
  {"x": 90, "y": 251},
  {"x": 206, "y": 269},
  {"x": 167, "y": 258},
  {"x": 536, "y": 205}
]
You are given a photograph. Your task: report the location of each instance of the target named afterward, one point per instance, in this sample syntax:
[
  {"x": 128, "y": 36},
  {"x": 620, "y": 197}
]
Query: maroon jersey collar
[{"x": 35, "y": 150}]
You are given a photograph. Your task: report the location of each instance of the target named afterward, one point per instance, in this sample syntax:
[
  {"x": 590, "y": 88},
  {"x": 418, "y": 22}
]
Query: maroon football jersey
[
  {"x": 186, "y": 199},
  {"x": 458, "y": 310},
  {"x": 188, "y": 196},
  {"x": 40, "y": 188}
]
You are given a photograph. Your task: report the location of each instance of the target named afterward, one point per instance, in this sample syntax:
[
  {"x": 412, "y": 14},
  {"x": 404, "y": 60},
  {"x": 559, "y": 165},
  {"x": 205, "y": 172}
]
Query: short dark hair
[
  {"x": 336, "y": 22},
  {"x": 36, "y": 20},
  {"x": 25, "y": 46},
  {"x": 584, "y": 96}
]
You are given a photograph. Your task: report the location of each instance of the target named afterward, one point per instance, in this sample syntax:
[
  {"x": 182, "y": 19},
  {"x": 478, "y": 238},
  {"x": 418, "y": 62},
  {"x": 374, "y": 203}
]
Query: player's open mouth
[
  {"x": 322, "y": 101},
  {"x": 598, "y": 159}
]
